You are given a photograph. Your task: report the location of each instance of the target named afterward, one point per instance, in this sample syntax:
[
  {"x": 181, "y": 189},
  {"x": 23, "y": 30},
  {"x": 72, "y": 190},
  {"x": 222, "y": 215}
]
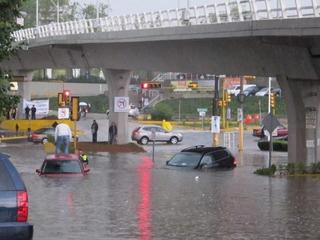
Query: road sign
[
  {"x": 202, "y": 109},
  {"x": 270, "y": 123},
  {"x": 63, "y": 113},
  {"x": 121, "y": 104},
  {"x": 215, "y": 124}
]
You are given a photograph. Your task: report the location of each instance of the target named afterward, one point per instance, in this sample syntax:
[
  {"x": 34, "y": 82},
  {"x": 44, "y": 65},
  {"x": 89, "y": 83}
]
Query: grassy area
[{"x": 188, "y": 107}]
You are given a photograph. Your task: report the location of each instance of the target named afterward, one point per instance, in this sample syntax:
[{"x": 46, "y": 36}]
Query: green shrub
[
  {"x": 162, "y": 111},
  {"x": 266, "y": 171},
  {"x": 278, "y": 145},
  {"x": 297, "y": 168},
  {"x": 315, "y": 167}
]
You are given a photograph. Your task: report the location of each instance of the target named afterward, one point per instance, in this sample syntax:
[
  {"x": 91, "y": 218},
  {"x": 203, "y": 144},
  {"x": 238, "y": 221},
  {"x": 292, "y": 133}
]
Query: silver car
[{"x": 147, "y": 133}]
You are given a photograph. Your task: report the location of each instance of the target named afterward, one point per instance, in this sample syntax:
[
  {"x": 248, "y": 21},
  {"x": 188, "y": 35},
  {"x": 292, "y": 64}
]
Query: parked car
[
  {"x": 277, "y": 91},
  {"x": 41, "y": 135},
  {"x": 233, "y": 89},
  {"x": 199, "y": 157},
  {"x": 63, "y": 165},
  {"x": 263, "y": 92},
  {"x": 251, "y": 91},
  {"x": 245, "y": 87},
  {"x": 133, "y": 111},
  {"x": 144, "y": 134},
  {"x": 14, "y": 205},
  {"x": 279, "y": 132}
]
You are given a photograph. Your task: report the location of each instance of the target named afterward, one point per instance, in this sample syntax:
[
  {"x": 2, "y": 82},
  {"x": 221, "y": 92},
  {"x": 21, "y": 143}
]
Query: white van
[{"x": 245, "y": 86}]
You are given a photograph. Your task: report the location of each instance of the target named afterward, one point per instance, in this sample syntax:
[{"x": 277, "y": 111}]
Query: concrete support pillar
[
  {"x": 297, "y": 151},
  {"x": 24, "y": 79},
  {"x": 118, "y": 85}
]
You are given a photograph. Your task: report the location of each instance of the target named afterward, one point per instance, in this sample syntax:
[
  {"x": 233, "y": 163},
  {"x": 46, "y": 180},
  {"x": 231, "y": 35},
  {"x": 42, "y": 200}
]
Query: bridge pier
[
  {"x": 118, "y": 85},
  {"x": 303, "y": 109},
  {"x": 24, "y": 91}
]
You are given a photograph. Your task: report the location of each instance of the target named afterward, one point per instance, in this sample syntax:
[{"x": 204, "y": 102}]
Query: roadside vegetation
[{"x": 291, "y": 169}]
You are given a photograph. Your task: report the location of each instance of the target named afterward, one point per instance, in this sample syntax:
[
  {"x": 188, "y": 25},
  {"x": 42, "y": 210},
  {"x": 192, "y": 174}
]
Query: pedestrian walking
[
  {"x": 27, "y": 112},
  {"x": 113, "y": 131},
  {"x": 33, "y": 112},
  {"x": 94, "y": 131},
  {"x": 62, "y": 137}
]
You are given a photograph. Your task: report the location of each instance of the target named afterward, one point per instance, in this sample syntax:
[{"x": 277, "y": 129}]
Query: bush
[
  {"x": 266, "y": 171},
  {"x": 278, "y": 145},
  {"x": 162, "y": 111}
]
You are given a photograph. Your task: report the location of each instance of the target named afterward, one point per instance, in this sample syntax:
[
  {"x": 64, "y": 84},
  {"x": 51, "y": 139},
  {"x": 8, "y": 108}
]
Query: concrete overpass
[{"x": 215, "y": 42}]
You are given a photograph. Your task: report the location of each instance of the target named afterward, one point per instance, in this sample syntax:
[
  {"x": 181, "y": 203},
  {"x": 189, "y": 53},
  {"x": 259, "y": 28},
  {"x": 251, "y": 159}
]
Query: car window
[
  {"x": 185, "y": 159},
  {"x": 158, "y": 129},
  {"x": 220, "y": 154},
  {"x": 147, "y": 129},
  {"x": 5, "y": 179},
  {"x": 207, "y": 159},
  {"x": 65, "y": 166}
]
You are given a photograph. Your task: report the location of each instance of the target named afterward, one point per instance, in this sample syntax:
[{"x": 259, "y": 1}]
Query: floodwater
[{"x": 129, "y": 196}]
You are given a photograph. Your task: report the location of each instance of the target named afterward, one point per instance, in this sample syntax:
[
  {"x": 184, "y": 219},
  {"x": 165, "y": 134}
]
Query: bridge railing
[{"x": 219, "y": 12}]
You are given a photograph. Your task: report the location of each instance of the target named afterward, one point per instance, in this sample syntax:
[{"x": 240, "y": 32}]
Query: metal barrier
[
  {"x": 220, "y": 12},
  {"x": 230, "y": 139}
]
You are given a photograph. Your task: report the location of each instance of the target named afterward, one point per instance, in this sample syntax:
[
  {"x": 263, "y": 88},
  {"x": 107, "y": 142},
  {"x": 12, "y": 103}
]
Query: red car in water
[
  {"x": 279, "y": 132},
  {"x": 63, "y": 165}
]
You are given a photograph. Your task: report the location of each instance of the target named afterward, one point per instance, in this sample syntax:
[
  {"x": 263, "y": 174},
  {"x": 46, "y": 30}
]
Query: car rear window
[
  {"x": 65, "y": 166},
  {"x": 220, "y": 154},
  {"x": 6, "y": 182}
]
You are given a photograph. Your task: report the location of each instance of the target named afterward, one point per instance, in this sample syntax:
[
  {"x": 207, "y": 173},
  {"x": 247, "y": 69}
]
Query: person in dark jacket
[
  {"x": 94, "y": 131},
  {"x": 113, "y": 131}
]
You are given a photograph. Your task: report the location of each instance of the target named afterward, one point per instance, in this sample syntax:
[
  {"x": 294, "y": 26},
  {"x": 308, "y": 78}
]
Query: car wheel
[
  {"x": 144, "y": 140},
  {"x": 45, "y": 140},
  {"x": 174, "y": 140}
]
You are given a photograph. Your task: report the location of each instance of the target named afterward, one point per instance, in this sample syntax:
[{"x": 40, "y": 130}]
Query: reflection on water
[{"x": 127, "y": 196}]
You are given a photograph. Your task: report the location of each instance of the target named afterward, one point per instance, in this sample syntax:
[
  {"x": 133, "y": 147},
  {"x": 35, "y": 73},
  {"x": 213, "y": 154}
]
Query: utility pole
[{"x": 241, "y": 99}]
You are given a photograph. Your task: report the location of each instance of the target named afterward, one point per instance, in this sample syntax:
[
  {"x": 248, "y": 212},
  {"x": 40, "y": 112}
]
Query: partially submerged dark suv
[
  {"x": 200, "y": 157},
  {"x": 14, "y": 204}
]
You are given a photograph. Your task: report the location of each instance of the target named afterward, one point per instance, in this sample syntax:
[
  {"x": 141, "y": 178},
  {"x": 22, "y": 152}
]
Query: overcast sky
[{"x": 122, "y": 7}]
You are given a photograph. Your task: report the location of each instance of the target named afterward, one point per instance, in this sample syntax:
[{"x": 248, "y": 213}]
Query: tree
[{"x": 8, "y": 23}]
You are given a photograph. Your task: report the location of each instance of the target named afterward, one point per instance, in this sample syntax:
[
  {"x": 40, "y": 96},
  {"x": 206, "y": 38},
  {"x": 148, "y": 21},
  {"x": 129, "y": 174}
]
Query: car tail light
[
  {"x": 23, "y": 206},
  {"x": 135, "y": 131},
  {"x": 234, "y": 162}
]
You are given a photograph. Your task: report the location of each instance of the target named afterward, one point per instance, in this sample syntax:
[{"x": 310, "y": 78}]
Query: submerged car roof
[
  {"x": 62, "y": 157},
  {"x": 202, "y": 149}
]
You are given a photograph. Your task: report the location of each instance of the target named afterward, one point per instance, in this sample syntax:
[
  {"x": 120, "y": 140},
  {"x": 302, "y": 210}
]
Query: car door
[
  {"x": 161, "y": 134},
  {"x": 222, "y": 158},
  {"x": 208, "y": 161}
]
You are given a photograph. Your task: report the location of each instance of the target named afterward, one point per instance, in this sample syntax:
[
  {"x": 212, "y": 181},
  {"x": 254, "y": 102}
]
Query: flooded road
[{"x": 128, "y": 196}]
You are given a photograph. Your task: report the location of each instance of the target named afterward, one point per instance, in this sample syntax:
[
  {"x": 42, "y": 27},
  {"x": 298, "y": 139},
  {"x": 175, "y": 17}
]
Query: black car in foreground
[
  {"x": 14, "y": 204},
  {"x": 201, "y": 157}
]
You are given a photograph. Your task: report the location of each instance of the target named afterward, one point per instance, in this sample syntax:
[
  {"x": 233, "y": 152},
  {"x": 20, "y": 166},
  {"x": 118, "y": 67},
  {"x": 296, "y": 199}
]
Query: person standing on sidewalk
[
  {"x": 113, "y": 131},
  {"x": 27, "y": 111},
  {"x": 33, "y": 112},
  {"x": 94, "y": 131},
  {"x": 62, "y": 136}
]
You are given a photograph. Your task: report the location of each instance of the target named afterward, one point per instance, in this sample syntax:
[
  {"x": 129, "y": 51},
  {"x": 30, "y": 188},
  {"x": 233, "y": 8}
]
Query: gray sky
[{"x": 122, "y": 7}]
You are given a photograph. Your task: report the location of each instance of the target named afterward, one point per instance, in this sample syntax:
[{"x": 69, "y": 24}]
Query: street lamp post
[{"x": 37, "y": 13}]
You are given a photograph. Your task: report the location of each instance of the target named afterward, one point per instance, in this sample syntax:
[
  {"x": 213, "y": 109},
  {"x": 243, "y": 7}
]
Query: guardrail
[{"x": 219, "y": 12}]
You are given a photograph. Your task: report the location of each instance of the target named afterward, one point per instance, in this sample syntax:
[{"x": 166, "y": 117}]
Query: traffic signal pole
[{"x": 215, "y": 109}]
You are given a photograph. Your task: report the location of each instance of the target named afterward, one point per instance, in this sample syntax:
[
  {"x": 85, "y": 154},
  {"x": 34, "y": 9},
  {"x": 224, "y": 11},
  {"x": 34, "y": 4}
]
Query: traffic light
[
  {"x": 149, "y": 85},
  {"x": 75, "y": 108},
  {"x": 66, "y": 96},
  {"x": 273, "y": 100},
  {"x": 228, "y": 97},
  {"x": 61, "y": 102},
  {"x": 220, "y": 103},
  {"x": 193, "y": 85}
]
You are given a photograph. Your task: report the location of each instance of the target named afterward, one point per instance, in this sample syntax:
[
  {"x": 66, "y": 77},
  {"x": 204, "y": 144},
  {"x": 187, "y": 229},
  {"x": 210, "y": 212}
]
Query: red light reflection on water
[{"x": 145, "y": 178}]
